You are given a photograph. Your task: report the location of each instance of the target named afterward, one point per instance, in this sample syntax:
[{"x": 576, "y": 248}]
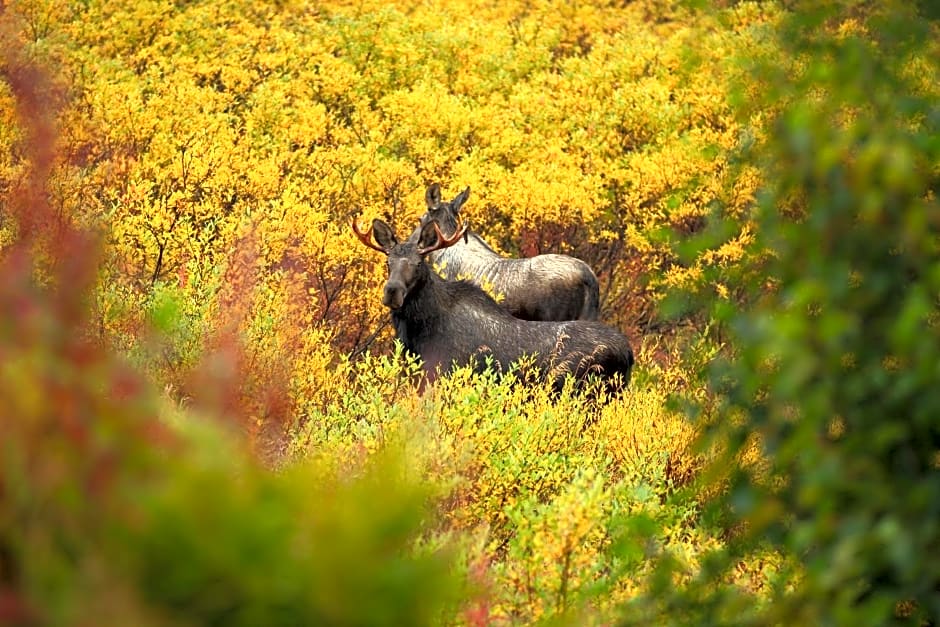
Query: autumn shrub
[
  {"x": 191, "y": 134},
  {"x": 557, "y": 504},
  {"x": 590, "y": 130},
  {"x": 117, "y": 507}
]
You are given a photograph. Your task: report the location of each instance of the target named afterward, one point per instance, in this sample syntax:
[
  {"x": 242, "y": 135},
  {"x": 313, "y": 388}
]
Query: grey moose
[{"x": 544, "y": 287}]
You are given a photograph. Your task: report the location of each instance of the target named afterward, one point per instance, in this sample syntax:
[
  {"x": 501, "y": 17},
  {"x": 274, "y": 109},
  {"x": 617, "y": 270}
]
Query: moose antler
[
  {"x": 444, "y": 242},
  {"x": 366, "y": 238}
]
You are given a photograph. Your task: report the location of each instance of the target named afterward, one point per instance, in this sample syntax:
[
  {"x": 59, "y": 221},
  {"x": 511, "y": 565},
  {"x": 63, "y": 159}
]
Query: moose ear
[
  {"x": 428, "y": 236},
  {"x": 433, "y": 196},
  {"x": 459, "y": 200},
  {"x": 383, "y": 234}
]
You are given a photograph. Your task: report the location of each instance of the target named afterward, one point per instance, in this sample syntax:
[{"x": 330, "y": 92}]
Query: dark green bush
[{"x": 834, "y": 356}]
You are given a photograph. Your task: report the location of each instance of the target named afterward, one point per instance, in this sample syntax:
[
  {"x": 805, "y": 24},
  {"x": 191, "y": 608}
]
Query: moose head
[
  {"x": 444, "y": 213},
  {"x": 406, "y": 264}
]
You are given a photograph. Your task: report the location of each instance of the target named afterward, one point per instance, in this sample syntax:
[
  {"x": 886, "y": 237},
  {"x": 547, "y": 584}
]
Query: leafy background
[{"x": 203, "y": 416}]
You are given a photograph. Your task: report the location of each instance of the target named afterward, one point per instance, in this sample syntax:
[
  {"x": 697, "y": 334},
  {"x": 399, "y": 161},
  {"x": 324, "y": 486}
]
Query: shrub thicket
[{"x": 174, "y": 249}]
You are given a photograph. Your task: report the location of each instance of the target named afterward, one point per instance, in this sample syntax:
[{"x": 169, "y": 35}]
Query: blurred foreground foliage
[
  {"x": 835, "y": 350},
  {"x": 117, "y": 508}
]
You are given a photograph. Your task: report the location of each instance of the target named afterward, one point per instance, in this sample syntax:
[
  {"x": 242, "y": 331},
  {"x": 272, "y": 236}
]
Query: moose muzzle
[{"x": 394, "y": 294}]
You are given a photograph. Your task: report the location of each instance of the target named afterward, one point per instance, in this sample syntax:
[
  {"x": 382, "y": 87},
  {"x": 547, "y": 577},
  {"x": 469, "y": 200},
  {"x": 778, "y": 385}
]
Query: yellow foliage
[
  {"x": 578, "y": 124},
  {"x": 222, "y": 148},
  {"x": 637, "y": 429}
]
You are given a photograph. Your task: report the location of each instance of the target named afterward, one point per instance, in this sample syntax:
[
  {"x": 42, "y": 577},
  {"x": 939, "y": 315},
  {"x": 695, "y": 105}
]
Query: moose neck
[
  {"x": 421, "y": 311},
  {"x": 472, "y": 257}
]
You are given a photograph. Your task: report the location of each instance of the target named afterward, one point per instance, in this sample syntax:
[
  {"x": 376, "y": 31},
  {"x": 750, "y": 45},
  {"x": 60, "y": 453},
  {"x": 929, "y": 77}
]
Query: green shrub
[{"x": 835, "y": 354}]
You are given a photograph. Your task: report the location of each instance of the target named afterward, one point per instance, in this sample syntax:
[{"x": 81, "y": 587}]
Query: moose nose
[{"x": 394, "y": 295}]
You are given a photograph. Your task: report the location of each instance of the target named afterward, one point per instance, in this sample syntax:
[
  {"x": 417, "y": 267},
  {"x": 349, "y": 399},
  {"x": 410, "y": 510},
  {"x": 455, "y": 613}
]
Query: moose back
[{"x": 544, "y": 287}]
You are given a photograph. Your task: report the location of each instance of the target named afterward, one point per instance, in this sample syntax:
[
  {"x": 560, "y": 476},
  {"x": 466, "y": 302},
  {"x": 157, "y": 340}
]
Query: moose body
[
  {"x": 454, "y": 323},
  {"x": 544, "y": 287}
]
